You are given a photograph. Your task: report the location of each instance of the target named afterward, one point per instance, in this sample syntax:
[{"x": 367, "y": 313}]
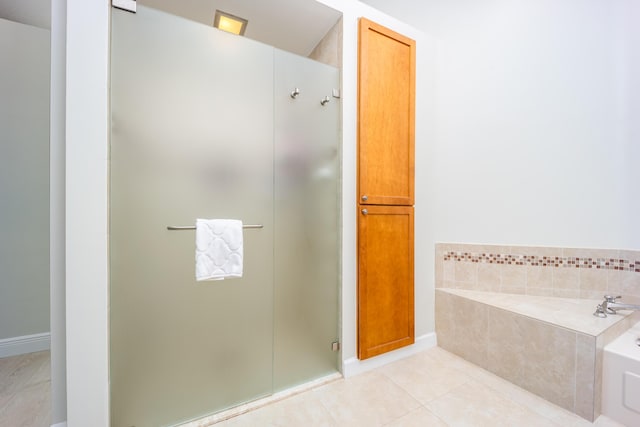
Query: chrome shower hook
[
  {"x": 295, "y": 93},
  {"x": 324, "y": 101}
]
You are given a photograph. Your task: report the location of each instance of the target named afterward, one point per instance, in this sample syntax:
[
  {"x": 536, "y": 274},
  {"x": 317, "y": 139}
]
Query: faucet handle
[
  {"x": 600, "y": 311},
  {"x": 609, "y": 298}
]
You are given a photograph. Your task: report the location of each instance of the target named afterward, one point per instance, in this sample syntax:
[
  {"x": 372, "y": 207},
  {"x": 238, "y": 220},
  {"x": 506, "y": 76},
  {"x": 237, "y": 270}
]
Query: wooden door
[
  {"x": 386, "y": 116},
  {"x": 385, "y": 279}
]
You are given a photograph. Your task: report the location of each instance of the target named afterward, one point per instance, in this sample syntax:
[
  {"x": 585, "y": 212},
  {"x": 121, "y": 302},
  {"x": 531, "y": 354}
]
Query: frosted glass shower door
[
  {"x": 306, "y": 220},
  {"x": 192, "y": 137}
]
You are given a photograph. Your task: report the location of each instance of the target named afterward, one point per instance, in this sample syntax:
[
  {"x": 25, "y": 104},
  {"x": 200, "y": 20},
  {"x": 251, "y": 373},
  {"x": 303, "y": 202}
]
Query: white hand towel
[{"x": 218, "y": 249}]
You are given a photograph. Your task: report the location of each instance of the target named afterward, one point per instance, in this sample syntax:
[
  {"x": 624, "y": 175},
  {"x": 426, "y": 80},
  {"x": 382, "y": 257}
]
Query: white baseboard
[
  {"x": 354, "y": 366},
  {"x": 25, "y": 344},
  {"x": 62, "y": 424}
]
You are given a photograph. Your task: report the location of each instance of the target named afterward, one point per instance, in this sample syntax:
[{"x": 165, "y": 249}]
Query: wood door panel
[
  {"x": 385, "y": 279},
  {"x": 386, "y": 116}
]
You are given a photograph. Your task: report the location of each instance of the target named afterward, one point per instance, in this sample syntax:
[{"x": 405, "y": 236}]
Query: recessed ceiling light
[{"x": 230, "y": 23}]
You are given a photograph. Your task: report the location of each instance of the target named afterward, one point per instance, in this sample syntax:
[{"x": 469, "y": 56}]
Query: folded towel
[{"x": 218, "y": 249}]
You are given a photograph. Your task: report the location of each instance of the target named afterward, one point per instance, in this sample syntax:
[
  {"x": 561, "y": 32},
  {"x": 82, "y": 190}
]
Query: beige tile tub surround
[
  {"x": 524, "y": 313},
  {"x": 542, "y": 271},
  {"x": 525, "y": 340}
]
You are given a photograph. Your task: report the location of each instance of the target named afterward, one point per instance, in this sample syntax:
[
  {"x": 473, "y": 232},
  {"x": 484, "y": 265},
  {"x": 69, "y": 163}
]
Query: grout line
[{"x": 575, "y": 373}]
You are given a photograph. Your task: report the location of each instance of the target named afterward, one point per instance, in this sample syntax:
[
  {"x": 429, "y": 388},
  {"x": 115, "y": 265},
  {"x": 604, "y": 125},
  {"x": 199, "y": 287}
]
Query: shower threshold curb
[{"x": 256, "y": 404}]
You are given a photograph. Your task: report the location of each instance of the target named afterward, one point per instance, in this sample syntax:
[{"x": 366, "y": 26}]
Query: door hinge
[
  {"x": 335, "y": 346},
  {"x": 128, "y": 5}
]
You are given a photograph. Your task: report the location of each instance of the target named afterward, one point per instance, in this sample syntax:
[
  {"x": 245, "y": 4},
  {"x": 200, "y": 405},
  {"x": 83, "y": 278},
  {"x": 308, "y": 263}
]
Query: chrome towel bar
[{"x": 193, "y": 227}]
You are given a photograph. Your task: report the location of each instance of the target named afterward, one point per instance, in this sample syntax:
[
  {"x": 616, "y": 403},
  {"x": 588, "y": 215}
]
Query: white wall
[
  {"x": 536, "y": 120},
  {"x": 86, "y": 208},
  {"x": 24, "y": 180},
  {"x": 627, "y": 40},
  {"x": 86, "y": 213},
  {"x": 57, "y": 218}
]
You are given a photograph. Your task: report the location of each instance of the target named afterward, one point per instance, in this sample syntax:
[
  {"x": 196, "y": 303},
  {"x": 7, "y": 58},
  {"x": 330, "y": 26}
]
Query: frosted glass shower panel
[
  {"x": 192, "y": 137},
  {"x": 306, "y": 219}
]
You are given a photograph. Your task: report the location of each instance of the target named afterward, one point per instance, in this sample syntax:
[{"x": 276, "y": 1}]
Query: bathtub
[{"x": 621, "y": 379}]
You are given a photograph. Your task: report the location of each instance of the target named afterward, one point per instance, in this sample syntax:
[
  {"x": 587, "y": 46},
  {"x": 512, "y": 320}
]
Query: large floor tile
[
  {"x": 421, "y": 417},
  {"x": 28, "y": 408},
  {"x": 444, "y": 358},
  {"x": 475, "y": 404},
  {"x": 602, "y": 421},
  {"x": 369, "y": 400},
  {"x": 424, "y": 381},
  {"x": 21, "y": 371},
  {"x": 527, "y": 399},
  {"x": 25, "y": 390},
  {"x": 302, "y": 410}
]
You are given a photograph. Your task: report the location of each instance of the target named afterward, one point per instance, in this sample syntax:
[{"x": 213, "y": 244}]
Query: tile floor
[
  {"x": 432, "y": 388},
  {"x": 25, "y": 383}
]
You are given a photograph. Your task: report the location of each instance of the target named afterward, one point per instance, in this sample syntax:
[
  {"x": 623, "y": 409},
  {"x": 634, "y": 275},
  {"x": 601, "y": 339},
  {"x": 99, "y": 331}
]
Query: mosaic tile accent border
[{"x": 545, "y": 261}]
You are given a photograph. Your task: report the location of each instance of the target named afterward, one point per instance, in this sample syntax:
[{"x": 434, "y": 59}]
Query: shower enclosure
[{"x": 205, "y": 124}]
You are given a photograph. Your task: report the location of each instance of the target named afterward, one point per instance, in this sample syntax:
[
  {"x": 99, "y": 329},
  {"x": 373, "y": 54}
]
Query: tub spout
[
  {"x": 620, "y": 306},
  {"x": 611, "y": 306}
]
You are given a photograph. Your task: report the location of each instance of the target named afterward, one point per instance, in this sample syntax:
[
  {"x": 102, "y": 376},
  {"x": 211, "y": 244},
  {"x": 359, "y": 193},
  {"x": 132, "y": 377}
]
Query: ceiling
[
  {"x": 292, "y": 25},
  {"x": 30, "y": 12}
]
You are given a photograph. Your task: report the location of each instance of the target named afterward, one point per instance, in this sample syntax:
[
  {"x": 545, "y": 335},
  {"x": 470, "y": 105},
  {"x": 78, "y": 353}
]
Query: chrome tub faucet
[{"x": 610, "y": 306}]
